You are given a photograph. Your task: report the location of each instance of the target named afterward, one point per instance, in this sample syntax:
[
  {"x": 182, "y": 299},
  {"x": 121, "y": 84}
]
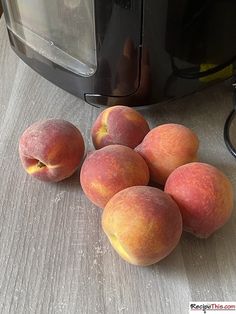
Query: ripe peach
[
  {"x": 119, "y": 125},
  {"x": 204, "y": 195},
  {"x": 51, "y": 150},
  {"x": 111, "y": 169},
  {"x": 167, "y": 147},
  {"x": 143, "y": 224}
]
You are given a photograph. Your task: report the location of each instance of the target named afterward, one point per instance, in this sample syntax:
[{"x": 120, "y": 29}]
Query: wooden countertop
[{"x": 54, "y": 257}]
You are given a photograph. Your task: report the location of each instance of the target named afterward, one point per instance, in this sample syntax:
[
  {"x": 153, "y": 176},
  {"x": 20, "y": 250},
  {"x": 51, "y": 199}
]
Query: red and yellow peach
[
  {"x": 51, "y": 150},
  {"x": 143, "y": 224},
  {"x": 111, "y": 169},
  {"x": 167, "y": 147},
  {"x": 204, "y": 195},
  {"x": 119, "y": 125}
]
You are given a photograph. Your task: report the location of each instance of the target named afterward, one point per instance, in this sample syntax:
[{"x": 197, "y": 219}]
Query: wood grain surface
[{"x": 54, "y": 257}]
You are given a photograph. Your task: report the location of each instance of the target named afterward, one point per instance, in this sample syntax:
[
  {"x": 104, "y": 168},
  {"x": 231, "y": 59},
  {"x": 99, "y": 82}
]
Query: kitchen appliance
[{"x": 134, "y": 52}]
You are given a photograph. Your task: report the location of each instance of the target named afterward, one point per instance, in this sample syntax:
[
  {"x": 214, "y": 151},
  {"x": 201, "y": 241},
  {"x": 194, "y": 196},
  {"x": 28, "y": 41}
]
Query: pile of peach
[{"x": 143, "y": 223}]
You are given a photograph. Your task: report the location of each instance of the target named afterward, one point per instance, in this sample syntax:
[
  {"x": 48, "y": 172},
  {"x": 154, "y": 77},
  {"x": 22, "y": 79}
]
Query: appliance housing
[{"x": 132, "y": 52}]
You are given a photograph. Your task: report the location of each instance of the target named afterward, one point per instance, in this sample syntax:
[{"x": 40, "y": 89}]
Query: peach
[
  {"x": 119, "y": 125},
  {"x": 167, "y": 147},
  {"x": 111, "y": 169},
  {"x": 143, "y": 224},
  {"x": 204, "y": 195},
  {"x": 51, "y": 150}
]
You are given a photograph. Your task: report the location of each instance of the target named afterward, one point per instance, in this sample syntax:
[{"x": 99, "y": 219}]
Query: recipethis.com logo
[{"x": 209, "y": 307}]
